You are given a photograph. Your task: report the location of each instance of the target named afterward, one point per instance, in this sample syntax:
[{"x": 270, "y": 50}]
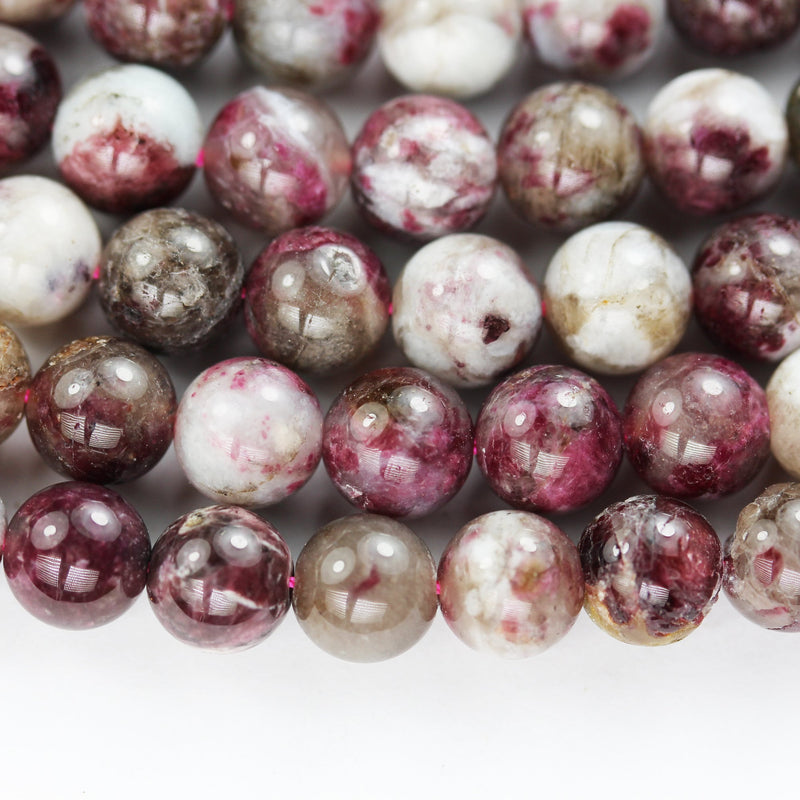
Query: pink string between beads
[{"x": 291, "y": 582}]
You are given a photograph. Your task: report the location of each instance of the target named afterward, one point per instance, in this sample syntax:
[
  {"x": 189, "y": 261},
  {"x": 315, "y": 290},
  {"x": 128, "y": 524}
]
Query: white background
[{"x": 125, "y": 711}]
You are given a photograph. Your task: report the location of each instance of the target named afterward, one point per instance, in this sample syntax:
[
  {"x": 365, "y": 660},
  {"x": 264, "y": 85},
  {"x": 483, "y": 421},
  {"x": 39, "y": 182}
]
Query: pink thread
[
  {"x": 96, "y": 273},
  {"x": 27, "y": 395},
  {"x": 200, "y": 160},
  {"x": 291, "y": 582},
  {"x": 391, "y": 309},
  {"x": 438, "y": 588}
]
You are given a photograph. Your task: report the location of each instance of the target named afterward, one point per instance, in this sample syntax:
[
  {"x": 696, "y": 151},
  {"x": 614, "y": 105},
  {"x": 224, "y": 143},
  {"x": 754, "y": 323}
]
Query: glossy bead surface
[
  {"x": 306, "y": 43},
  {"x": 248, "y": 431},
  {"x": 76, "y": 555},
  {"x": 47, "y": 234},
  {"x": 29, "y": 12},
  {"x": 549, "y": 439},
  {"x": 127, "y": 138},
  {"x": 365, "y": 588},
  {"x": 653, "y": 569},
  {"x": 15, "y": 377},
  {"x": 276, "y": 159},
  {"x": 398, "y": 441},
  {"x": 714, "y": 141},
  {"x": 171, "y": 279},
  {"x": 618, "y": 297},
  {"x": 219, "y": 578},
  {"x": 793, "y": 122},
  {"x": 466, "y": 309},
  {"x": 570, "y": 154},
  {"x": 317, "y": 300},
  {"x": 423, "y": 167},
  {"x": 697, "y": 425},
  {"x": 101, "y": 409},
  {"x": 431, "y": 45},
  {"x": 783, "y": 398},
  {"x": 746, "y": 280}
]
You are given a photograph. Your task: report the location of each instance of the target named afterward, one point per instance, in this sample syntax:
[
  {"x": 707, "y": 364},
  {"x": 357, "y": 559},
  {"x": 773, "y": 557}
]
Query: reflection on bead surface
[
  {"x": 466, "y": 309},
  {"x": 510, "y": 584},
  {"x": 76, "y": 555},
  {"x": 276, "y": 159},
  {"x": 570, "y": 154},
  {"x": 714, "y": 141},
  {"x": 365, "y": 588},
  {"x": 101, "y": 409},
  {"x": 317, "y": 300},
  {"x": 696, "y": 425},
  {"x": 219, "y": 578},
  {"x": 549, "y": 439},
  {"x": 618, "y": 297},
  {"x": 127, "y": 138},
  {"x": 762, "y": 564},
  {"x": 171, "y": 279},
  {"x": 653, "y": 569},
  {"x": 783, "y": 398},
  {"x": 26, "y": 12},
  {"x": 398, "y": 442},
  {"x": 248, "y": 431},
  {"x": 793, "y": 122},
  {"x": 15, "y": 377}
]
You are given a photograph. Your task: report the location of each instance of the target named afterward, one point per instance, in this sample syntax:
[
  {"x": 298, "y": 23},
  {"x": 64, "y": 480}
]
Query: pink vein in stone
[{"x": 627, "y": 35}]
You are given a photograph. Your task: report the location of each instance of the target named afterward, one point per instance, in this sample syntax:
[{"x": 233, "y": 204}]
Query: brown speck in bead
[{"x": 15, "y": 377}]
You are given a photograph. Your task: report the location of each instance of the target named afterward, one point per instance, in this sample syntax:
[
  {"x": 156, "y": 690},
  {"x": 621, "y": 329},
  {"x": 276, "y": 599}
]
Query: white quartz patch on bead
[{"x": 783, "y": 398}]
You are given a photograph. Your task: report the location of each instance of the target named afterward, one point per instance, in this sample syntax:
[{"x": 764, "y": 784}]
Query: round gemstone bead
[
  {"x": 549, "y": 439},
  {"x": 423, "y": 167},
  {"x": 127, "y": 138},
  {"x": 746, "y": 280},
  {"x": 714, "y": 141},
  {"x": 276, "y": 159},
  {"x": 510, "y": 584},
  {"x": 29, "y": 12},
  {"x": 793, "y": 122},
  {"x": 570, "y": 154},
  {"x": 219, "y": 578},
  {"x": 618, "y": 297},
  {"x": 101, "y": 409},
  {"x": 398, "y": 442},
  {"x": 171, "y": 279},
  {"x": 15, "y": 377},
  {"x": 248, "y": 431},
  {"x": 466, "y": 309},
  {"x": 697, "y": 425},
  {"x": 317, "y": 300},
  {"x": 76, "y": 555},
  {"x": 653, "y": 569},
  {"x": 365, "y": 588},
  {"x": 783, "y": 398}
]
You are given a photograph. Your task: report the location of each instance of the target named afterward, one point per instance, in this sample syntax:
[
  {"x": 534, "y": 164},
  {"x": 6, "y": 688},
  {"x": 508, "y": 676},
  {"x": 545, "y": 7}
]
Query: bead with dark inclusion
[{"x": 15, "y": 377}]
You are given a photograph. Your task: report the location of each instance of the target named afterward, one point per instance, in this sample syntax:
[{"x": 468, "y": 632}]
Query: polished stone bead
[
  {"x": 696, "y": 425},
  {"x": 171, "y": 279},
  {"x": 76, "y": 555},
  {"x": 793, "y": 122},
  {"x": 510, "y": 584},
  {"x": 549, "y": 439},
  {"x": 101, "y": 409},
  {"x": 15, "y": 378},
  {"x": 653, "y": 569},
  {"x": 30, "y": 12},
  {"x": 783, "y": 399},
  {"x": 317, "y": 300},
  {"x": 219, "y": 578},
  {"x": 398, "y": 441},
  {"x": 365, "y": 588}
]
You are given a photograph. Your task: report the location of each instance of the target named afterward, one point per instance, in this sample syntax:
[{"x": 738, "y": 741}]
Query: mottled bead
[
  {"x": 127, "y": 138},
  {"x": 312, "y": 44},
  {"x": 219, "y": 578},
  {"x": 248, "y": 432},
  {"x": 597, "y": 39},
  {"x": 549, "y": 439},
  {"x": 30, "y": 12},
  {"x": 618, "y": 297},
  {"x": 423, "y": 167},
  {"x": 169, "y": 34},
  {"x": 317, "y": 300},
  {"x": 47, "y": 234},
  {"x": 101, "y": 409},
  {"x": 365, "y": 588},
  {"x": 76, "y": 555},
  {"x": 510, "y": 584},
  {"x": 466, "y": 309},
  {"x": 276, "y": 159},
  {"x": 783, "y": 399},
  {"x": 653, "y": 569},
  {"x": 714, "y": 141},
  {"x": 696, "y": 425},
  {"x": 746, "y": 280},
  {"x": 398, "y": 441},
  {"x": 570, "y": 154},
  {"x": 15, "y": 377},
  {"x": 762, "y": 562},
  {"x": 171, "y": 279},
  {"x": 449, "y": 47}
]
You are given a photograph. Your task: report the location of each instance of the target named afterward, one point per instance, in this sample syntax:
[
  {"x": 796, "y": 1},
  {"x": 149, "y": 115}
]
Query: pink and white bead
[
  {"x": 783, "y": 398},
  {"x": 30, "y": 12}
]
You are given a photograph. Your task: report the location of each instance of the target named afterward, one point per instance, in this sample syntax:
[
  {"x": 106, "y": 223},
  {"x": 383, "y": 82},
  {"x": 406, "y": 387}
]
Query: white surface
[{"x": 126, "y": 712}]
